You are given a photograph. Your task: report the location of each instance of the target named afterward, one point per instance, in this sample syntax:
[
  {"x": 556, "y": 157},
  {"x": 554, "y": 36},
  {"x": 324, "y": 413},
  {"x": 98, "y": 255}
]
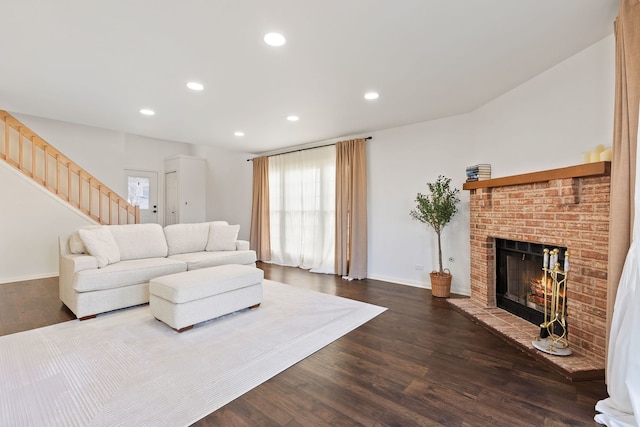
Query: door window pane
[{"x": 138, "y": 191}]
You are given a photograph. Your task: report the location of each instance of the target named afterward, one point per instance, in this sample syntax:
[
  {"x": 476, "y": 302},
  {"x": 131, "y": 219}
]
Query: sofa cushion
[
  {"x": 125, "y": 273},
  {"x": 222, "y": 237},
  {"x": 198, "y": 260},
  {"x": 137, "y": 241},
  {"x": 185, "y": 238},
  {"x": 100, "y": 243},
  {"x": 75, "y": 242}
]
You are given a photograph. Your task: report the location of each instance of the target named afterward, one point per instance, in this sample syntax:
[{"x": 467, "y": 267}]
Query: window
[
  {"x": 138, "y": 191},
  {"x": 302, "y": 209}
]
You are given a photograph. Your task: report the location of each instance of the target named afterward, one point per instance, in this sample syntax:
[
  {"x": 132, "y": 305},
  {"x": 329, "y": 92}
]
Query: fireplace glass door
[{"x": 520, "y": 280}]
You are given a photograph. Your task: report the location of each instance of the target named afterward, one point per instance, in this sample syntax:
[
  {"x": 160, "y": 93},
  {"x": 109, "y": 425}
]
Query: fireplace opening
[{"x": 520, "y": 280}]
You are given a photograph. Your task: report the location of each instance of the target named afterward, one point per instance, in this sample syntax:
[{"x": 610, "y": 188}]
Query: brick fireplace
[{"x": 566, "y": 207}]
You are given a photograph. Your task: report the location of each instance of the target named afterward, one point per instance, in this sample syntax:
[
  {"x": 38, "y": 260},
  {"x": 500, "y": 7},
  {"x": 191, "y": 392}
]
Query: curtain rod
[{"x": 308, "y": 148}]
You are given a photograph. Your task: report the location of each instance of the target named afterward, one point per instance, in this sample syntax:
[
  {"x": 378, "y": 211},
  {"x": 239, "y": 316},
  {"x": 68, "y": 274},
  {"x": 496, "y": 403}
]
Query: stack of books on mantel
[{"x": 478, "y": 172}]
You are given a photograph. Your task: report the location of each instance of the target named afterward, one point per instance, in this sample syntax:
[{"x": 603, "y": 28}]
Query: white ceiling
[{"x": 97, "y": 62}]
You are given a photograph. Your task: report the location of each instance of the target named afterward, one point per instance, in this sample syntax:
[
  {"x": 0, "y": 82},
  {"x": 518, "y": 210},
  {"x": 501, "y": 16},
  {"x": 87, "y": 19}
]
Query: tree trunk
[{"x": 439, "y": 252}]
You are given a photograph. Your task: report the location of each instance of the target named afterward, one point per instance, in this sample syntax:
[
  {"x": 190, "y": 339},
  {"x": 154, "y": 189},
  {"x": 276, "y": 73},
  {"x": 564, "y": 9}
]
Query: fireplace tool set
[{"x": 553, "y": 331}]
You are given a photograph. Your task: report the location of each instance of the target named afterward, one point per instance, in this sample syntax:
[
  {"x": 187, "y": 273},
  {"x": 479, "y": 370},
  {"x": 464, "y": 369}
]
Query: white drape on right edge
[
  {"x": 302, "y": 189},
  {"x": 622, "y": 407}
]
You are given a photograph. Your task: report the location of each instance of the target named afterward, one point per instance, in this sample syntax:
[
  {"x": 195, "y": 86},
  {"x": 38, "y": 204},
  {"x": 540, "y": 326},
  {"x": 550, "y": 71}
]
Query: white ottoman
[{"x": 183, "y": 299}]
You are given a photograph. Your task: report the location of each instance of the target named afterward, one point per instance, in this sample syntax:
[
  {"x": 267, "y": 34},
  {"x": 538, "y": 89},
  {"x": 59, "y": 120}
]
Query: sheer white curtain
[
  {"x": 622, "y": 407},
  {"x": 302, "y": 189}
]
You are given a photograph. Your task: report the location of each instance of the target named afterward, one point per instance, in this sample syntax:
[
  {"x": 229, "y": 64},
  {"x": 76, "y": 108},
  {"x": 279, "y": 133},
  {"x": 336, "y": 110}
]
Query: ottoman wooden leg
[
  {"x": 255, "y": 306},
  {"x": 186, "y": 328}
]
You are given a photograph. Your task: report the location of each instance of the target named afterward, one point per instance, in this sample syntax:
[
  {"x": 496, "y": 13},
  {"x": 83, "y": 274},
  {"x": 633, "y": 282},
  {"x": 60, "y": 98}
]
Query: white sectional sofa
[{"x": 104, "y": 268}]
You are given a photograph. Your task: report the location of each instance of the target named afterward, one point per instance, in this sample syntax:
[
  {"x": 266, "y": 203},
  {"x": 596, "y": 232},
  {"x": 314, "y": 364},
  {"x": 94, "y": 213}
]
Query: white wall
[
  {"x": 549, "y": 121},
  {"x": 105, "y": 153},
  {"x": 99, "y": 151},
  {"x": 400, "y": 163},
  {"x": 31, "y": 219},
  {"x": 229, "y": 186},
  {"x": 545, "y": 123}
]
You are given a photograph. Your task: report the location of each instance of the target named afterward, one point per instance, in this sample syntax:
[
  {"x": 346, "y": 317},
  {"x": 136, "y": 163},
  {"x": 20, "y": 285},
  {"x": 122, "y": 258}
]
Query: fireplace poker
[{"x": 544, "y": 332}]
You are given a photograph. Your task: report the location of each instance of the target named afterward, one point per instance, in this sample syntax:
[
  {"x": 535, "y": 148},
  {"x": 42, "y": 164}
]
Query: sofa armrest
[
  {"x": 69, "y": 265},
  {"x": 63, "y": 245},
  {"x": 242, "y": 245},
  {"x": 72, "y": 263}
]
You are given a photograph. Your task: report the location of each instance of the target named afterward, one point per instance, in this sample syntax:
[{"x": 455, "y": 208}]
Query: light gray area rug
[{"x": 127, "y": 368}]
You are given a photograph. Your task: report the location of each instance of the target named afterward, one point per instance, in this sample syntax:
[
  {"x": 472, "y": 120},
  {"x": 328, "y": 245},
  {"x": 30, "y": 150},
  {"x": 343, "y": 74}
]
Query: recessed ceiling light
[
  {"x": 371, "y": 95},
  {"x": 147, "y": 112},
  {"x": 274, "y": 39},
  {"x": 293, "y": 118},
  {"x": 195, "y": 86},
  {"x": 238, "y": 133}
]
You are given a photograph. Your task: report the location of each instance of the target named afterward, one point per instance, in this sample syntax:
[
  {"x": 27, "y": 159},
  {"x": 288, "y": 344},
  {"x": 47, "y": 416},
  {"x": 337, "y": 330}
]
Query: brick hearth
[{"x": 566, "y": 207}]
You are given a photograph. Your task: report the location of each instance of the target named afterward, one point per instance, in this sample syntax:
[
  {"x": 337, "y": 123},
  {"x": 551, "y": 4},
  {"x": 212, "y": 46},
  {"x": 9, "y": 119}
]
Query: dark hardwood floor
[{"x": 420, "y": 363}]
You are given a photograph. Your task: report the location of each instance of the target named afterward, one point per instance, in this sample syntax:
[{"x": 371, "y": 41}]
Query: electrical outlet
[{"x": 419, "y": 267}]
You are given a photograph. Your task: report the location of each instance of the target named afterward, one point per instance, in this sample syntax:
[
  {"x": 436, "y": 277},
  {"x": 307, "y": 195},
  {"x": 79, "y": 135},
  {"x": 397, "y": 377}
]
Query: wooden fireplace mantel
[{"x": 587, "y": 169}]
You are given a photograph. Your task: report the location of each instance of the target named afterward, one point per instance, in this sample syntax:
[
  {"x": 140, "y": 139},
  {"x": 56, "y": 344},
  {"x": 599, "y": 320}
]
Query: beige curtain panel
[
  {"x": 351, "y": 209},
  {"x": 259, "y": 236},
  {"x": 625, "y": 131}
]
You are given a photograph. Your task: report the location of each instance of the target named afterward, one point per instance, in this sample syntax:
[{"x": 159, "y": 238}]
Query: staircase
[{"x": 34, "y": 157}]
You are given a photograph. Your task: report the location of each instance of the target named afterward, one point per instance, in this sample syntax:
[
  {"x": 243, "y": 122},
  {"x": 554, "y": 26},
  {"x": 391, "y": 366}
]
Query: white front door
[{"x": 142, "y": 189}]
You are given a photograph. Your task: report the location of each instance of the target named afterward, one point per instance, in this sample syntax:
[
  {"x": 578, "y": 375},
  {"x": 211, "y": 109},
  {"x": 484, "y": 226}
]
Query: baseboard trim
[
  {"x": 400, "y": 281},
  {"x": 27, "y": 278},
  {"x": 454, "y": 290}
]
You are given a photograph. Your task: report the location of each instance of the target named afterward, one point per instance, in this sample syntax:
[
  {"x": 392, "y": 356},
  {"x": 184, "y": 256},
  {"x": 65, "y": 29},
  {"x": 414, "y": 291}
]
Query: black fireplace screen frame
[{"x": 527, "y": 252}]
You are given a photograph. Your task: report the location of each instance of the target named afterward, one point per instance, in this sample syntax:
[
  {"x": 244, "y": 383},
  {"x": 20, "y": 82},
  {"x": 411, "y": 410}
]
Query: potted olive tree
[{"x": 436, "y": 209}]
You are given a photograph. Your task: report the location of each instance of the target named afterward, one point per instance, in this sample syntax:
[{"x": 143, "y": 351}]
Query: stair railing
[{"x": 22, "y": 148}]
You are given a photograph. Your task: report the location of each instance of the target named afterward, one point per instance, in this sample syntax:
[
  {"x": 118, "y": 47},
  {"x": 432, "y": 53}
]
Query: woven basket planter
[{"x": 440, "y": 284}]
